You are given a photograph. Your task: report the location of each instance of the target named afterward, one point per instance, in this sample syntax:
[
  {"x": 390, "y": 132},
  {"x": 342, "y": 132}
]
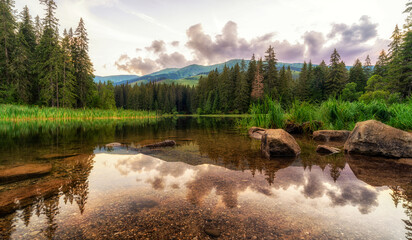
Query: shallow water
[{"x": 215, "y": 182}]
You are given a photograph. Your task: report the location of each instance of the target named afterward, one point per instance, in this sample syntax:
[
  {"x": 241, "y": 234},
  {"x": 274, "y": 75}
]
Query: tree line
[{"x": 38, "y": 66}]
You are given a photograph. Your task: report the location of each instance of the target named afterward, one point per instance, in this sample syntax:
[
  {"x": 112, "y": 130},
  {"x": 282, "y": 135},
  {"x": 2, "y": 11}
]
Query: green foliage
[
  {"x": 266, "y": 114},
  {"x": 349, "y": 93},
  {"x": 301, "y": 112}
]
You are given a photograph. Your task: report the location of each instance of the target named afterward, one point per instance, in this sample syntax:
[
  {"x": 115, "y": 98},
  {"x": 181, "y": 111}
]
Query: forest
[{"x": 39, "y": 67}]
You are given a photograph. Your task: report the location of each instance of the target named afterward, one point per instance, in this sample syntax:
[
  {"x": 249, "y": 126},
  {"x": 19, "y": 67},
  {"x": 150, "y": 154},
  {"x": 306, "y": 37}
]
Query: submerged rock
[
  {"x": 279, "y": 143},
  {"x": 256, "y": 132},
  {"x": 213, "y": 232},
  {"x": 166, "y": 143},
  {"x": 327, "y": 149},
  {"x": 23, "y": 172},
  {"x": 375, "y": 138},
  {"x": 331, "y": 135}
]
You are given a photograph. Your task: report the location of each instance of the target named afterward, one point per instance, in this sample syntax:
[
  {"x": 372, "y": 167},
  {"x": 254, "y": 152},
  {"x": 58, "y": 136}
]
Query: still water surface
[{"x": 214, "y": 183}]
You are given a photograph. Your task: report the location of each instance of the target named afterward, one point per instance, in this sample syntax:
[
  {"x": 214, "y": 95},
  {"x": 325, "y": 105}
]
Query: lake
[{"x": 214, "y": 183}]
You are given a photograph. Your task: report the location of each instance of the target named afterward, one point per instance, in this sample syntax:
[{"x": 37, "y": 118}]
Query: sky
[{"x": 141, "y": 37}]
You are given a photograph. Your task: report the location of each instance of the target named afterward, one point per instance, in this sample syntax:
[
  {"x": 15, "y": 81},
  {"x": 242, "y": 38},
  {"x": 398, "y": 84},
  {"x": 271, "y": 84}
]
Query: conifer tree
[
  {"x": 67, "y": 92},
  {"x": 251, "y": 72},
  {"x": 318, "y": 86},
  {"x": 303, "y": 83},
  {"x": 270, "y": 72},
  {"x": 258, "y": 85},
  {"x": 83, "y": 67},
  {"x": 242, "y": 93},
  {"x": 337, "y": 75},
  {"x": 394, "y": 66},
  {"x": 23, "y": 59},
  {"x": 226, "y": 90},
  {"x": 367, "y": 67},
  {"x": 358, "y": 76},
  {"x": 7, "y": 45},
  {"x": 381, "y": 66},
  {"x": 405, "y": 78}
]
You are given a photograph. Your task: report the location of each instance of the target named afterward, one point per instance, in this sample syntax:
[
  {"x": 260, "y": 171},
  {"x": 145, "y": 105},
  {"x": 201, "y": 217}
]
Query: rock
[
  {"x": 331, "y": 135},
  {"x": 378, "y": 139},
  {"x": 278, "y": 143},
  {"x": 166, "y": 143},
  {"x": 23, "y": 172},
  {"x": 114, "y": 144},
  {"x": 327, "y": 149},
  {"x": 213, "y": 232},
  {"x": 53, "y": 156},
  {"x": 256, "y": 132}
]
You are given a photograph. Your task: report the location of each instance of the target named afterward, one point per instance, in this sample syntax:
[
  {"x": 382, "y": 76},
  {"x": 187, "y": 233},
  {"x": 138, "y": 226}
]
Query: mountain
[{"x": 115, "y": 78}]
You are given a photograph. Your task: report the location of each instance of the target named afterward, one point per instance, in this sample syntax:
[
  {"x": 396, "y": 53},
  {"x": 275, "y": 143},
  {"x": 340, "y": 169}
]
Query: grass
[
  {"x": 18, "y": 112},
  {"x": 333, "y": 113}
]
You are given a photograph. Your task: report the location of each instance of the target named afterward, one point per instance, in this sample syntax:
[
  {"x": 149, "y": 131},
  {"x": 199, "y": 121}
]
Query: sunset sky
[{"x": 140, "y": 37}]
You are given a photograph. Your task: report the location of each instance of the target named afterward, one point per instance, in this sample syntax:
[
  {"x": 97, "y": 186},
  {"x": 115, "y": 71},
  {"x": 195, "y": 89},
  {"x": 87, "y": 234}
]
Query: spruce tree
[
  {"x": 394, "y": 66},
  {"x": 405, "y": 78},
  {"x": 24, "y": 59},
  {"x": 303, "y": 83},
  {"x": 337, "y": 75},
  {"x": 367, "y": 67},
  {"x": 226, "y": 90},
  {"x": 68, "y": 81},
  {"x": 258, "y": 85},
  {"x": 318, "y": 89},
  {"x": 83, "y": 67},
  {"x": 358, "y": 76},
  {"x": 242, "y": 93},
  {"x": 7, "y": 47},
  {"x": 270, "y": 72},
  {"x": 381, "y": 65}
]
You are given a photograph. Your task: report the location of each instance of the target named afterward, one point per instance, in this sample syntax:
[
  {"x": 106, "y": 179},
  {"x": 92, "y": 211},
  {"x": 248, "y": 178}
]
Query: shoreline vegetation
[
  {"x": 333, "y": 114},
  {"x": 10, "y": 112}
]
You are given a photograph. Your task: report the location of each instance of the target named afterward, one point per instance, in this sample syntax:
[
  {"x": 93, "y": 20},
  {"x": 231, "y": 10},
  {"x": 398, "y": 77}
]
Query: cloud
[
  {"x": 158, "y": 46},
  {"x": 351, "y": 41},
  {"x": 175, "y": 43}
]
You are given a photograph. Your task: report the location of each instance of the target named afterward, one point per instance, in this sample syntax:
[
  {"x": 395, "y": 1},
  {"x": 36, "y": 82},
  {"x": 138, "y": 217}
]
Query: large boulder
[
  {"x": 279, "y": 143},
  {"x": 375, "y": 138},
  {"x": 256, "y": 132},
  {"x": 331, "y": 135}
]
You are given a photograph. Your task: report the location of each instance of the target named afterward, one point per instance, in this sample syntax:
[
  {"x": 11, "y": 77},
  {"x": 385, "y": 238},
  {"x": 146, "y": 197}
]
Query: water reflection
[{"x": 214, "y": 176}]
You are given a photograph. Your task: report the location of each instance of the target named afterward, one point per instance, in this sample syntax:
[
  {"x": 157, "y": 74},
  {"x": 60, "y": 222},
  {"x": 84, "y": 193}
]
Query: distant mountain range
[{"x": 184, "y": 75}]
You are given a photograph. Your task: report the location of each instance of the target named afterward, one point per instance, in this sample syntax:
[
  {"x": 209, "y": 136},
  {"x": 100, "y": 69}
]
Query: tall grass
[
  {"x": 17, "y": 112},
  {"x": 333, "y": 113},
  {"x": 266, "y": 114}
]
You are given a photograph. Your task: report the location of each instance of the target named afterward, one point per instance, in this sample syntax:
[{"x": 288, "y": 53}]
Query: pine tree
[
  {"x": 270, "y": 72},
  {"x": 251, "y": 72},
  {"x": 83, "y": 67},
  {"x": 226, "y": 90},
  {"x": 337, "y": 75},
  {"x": 258, "y": 85},
  {"x": 7, "y": 46},
  {"x": 358, "y": 76},
  {"x": 38, "y": 29}
]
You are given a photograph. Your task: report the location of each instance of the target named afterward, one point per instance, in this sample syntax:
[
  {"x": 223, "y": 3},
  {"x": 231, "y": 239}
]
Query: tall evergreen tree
[
  {"x": 337, "y": 75},
  {"x": 83, "y": 66},
  {"x": 270, "y": 72},
  {"x": 303, "y": 83},
  {"x": 367, "y": 67},
  {"x": 318, "y": 86},
  {"x": 23, "y": 59},
  {"x": 7, "y": 45},
  {"x": 381, "y": 65},
  {"x": 226, "y": 90},
  {"x": 405, "y": 78},
  {"x": 394, "y": 66},
  {"x": 68, "y": 81},
  {"x": 242, "y": 92},
  {"x": 358, "y": 76},
  {"x": 258, "y": 85}
]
